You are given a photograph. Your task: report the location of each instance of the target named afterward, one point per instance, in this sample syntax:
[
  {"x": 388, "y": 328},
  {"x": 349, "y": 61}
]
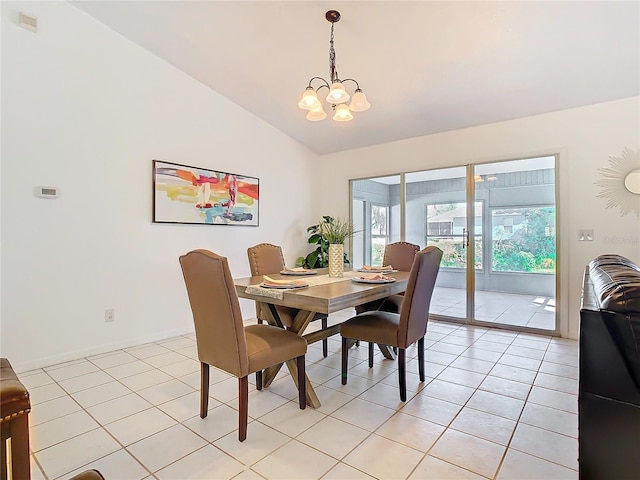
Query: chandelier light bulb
[
  {"x": 309, "y": 99},
  {"x": 359, "y": 102},
  {"x": 343, "y": 114},
  {"x": 337, "y": 94},
  {"x": 317, "y": 114}
]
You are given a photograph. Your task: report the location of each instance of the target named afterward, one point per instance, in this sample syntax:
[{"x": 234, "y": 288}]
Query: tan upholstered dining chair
[
  {"x": 224, "y": 342},
  {"x": 265, "y": 259},
  {"x": 398, "y": 329},
  {"x": 400, "y": 256}
]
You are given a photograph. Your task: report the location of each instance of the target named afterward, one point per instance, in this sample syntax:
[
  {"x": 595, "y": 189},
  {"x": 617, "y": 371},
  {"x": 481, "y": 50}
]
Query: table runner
[{"x": 313, "y": 281}]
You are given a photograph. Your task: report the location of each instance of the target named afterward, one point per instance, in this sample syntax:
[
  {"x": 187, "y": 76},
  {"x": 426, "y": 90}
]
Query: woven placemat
[{"x": 266, "y": 292}]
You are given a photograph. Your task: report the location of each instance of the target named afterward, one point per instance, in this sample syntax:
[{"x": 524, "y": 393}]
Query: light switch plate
[{"x": 585, "y": 235}]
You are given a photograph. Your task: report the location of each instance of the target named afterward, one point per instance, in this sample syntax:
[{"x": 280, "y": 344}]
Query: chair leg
[
  {"x": 370, "y": 354},
  {"x": 395, "y": 350},
  {"x": 325, "y": 342},
  {"x": 20, "y": 464},
  {"x": 259, "y": 380},
  {"x": 345, "y": 360},
  {"x": 3, "y": 452},
  {"x": 302, "y": 383},
  {"x": 421, "y": 358},
  {"x": 204, "y": 389},
  {"x": 243, "y": 407},
  {"x": 402, "y": 374}
]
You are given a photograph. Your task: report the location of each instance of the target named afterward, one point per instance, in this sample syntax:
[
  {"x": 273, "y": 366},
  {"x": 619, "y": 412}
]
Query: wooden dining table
[{"x": 319, "y": 297}]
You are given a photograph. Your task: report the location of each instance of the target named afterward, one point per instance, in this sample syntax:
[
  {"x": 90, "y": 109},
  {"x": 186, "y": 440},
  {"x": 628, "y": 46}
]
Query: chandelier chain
[{"x": 332, "y": 58}]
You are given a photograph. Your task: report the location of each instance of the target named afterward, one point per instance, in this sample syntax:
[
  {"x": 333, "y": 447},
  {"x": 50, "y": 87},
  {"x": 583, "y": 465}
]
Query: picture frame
[{"x": 187, "y": 194}]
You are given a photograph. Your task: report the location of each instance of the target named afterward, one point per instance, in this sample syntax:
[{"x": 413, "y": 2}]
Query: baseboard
[{"x": 69, "y": 356}]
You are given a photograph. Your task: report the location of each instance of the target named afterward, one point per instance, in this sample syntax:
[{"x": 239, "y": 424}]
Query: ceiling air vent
[{"x": 28, "y": 22}]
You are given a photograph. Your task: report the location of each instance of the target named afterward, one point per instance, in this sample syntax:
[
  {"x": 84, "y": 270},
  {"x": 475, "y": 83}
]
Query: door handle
[{"x": 465, "y": 237}]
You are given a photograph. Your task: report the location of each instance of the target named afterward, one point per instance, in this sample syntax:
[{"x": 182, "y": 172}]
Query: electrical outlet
[{"x": 109, "y": 315}]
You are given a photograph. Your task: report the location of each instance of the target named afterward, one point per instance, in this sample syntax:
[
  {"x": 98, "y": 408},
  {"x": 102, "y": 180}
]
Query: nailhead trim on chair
[
  {"x": 13, "y": 415},
  {"x": 254, "y": 253}
]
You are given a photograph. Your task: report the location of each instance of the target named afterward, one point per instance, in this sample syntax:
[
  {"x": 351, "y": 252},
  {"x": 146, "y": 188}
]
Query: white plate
[
  {"x": 282, "y": 287},
  {"x": 371, "y": 270},
  {"x": 306, "y": 272},
  {"x": 371, "y": 280}
]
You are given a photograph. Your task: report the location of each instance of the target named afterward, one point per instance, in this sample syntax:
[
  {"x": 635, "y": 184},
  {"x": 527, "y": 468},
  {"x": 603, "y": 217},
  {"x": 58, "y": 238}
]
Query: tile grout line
[{"x": 377, "y": 382}]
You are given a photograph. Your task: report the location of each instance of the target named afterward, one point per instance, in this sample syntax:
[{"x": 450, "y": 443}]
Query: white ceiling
[{"x": 426, "y": 67}]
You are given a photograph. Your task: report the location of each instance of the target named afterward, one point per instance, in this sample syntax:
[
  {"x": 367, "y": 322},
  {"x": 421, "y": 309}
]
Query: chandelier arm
[
  {"x": 352, "y": 80},
  {"x": 324, "y": 83}
]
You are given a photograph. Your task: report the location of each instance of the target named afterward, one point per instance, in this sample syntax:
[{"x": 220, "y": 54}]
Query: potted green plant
[{"x": 329, "y": 231}]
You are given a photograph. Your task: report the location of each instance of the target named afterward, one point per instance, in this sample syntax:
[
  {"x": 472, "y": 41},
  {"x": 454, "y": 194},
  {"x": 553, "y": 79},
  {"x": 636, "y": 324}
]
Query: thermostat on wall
[{"x": 47, "y": 192}]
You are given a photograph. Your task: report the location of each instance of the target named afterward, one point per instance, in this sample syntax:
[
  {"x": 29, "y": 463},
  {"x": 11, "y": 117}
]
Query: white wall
[
  {"x": 584, "y": 138},
  {"x": 87, "y": 111}
]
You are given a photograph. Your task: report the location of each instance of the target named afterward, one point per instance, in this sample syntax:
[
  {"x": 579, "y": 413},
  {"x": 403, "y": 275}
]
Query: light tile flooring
[
  {"x": 535, "y": 311},
  {"x": 496, "y": 404}
]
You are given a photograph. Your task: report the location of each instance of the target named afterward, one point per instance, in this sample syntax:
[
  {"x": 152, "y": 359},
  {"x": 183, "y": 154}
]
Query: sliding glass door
[
  {"x": 496, "y": 226},
  {"x": 517, "y": 286},
  {"x": 436, "y": 214}
]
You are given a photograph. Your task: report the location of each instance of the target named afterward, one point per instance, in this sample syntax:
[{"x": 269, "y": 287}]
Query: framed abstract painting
[{"x": 185, "y": 194}]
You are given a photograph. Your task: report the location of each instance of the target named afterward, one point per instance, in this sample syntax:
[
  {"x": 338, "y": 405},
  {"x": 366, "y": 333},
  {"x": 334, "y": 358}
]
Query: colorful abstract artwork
[{"x": 184, "y": 194}]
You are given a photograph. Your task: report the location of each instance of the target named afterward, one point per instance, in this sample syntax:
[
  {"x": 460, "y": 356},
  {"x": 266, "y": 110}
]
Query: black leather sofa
[{"x": 609, "y": 389}]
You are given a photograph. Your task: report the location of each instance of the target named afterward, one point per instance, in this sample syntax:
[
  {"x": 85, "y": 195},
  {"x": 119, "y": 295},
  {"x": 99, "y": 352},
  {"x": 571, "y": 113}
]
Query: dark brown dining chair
[
  {"x": 402, "y": 329},
  {"x": 400, "y": 256},
  {"x": 88, "y": 475},
  {"x": 224, "y": 342},
  {"x": 15, "y": 405},
  {"x": 266, "y": 259}
]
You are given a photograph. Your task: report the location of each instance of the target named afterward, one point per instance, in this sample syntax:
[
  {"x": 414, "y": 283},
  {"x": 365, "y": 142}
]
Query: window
[
  {"x": 379, "y": 232},
  {"x": 523, "y": 239},
  {"x": 439, "y": 228},
  {"x": 446, "y": 229}
]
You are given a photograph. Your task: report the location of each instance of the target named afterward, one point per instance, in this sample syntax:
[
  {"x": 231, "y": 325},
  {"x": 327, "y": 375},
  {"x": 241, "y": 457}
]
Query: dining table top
[{"x": 326, "y": 297}]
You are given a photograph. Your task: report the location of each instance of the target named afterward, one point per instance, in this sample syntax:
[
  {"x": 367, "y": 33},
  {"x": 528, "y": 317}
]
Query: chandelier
[{"x": 337, "y": 96}]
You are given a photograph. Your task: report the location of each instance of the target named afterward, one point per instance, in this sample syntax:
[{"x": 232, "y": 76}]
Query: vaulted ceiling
[{"x": 426, "y": 67}]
